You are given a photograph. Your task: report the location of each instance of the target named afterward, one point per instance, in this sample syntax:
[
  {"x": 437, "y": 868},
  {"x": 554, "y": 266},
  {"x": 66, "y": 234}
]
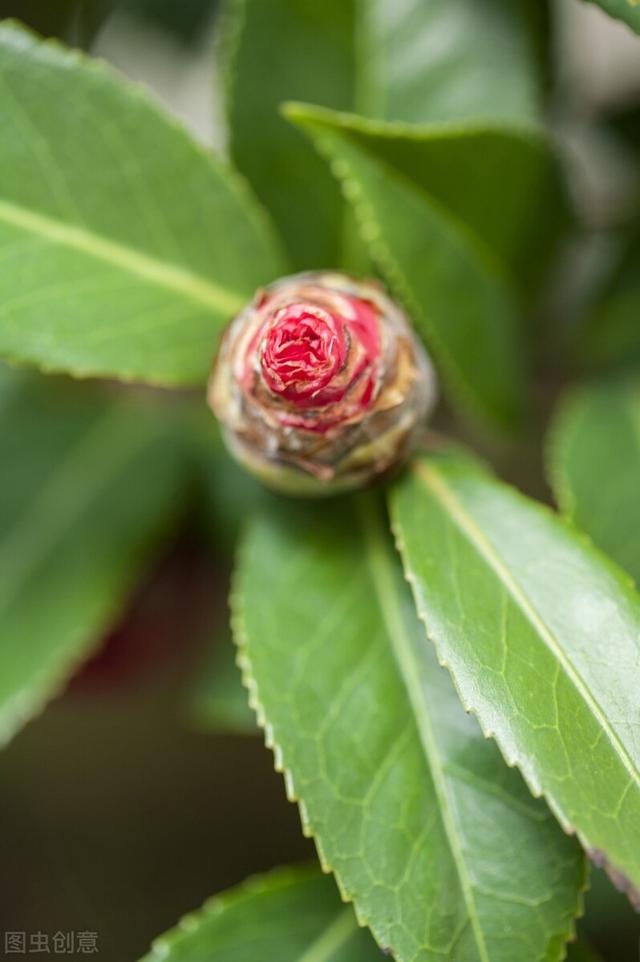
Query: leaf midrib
[
  {"x": 466, "y": 524},
  {"x": 149, "y": 269},
  {"x": 383, "y": 580}
]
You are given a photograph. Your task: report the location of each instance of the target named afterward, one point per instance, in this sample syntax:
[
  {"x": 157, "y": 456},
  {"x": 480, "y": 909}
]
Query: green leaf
[
  {"x": 452, "y": 283},
  {"x": 611, "y": 337},
  {"x": 289, "y": 915},
  {"x": 183, "y": 20},
  {"x": 542, "y": 636},
  {"x": 626, "y": 10},
  {"x": 438, "y": 844},
  {"x": 219, "y": 701},
  {"x": 581, "y": 951},
  {"x": 274, "y": 51},
  {"x": 87, "y": 485},
  {"x": 123, "y": 245},
  {"x": 226, "y": 493},
  {"x": 502, "y": 181},
  {"x": 416, "y": 61},
  {"x": 594, "y": 465},
  {"x": 447, "y": 59}
]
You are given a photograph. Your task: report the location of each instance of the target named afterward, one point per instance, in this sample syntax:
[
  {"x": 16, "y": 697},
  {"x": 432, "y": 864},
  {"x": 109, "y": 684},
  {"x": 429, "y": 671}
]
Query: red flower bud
[{"x": 320, "y": 384}]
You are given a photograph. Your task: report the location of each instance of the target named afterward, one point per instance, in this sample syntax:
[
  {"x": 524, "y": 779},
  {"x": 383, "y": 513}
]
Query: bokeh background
[{"x": 119, "y": 810}]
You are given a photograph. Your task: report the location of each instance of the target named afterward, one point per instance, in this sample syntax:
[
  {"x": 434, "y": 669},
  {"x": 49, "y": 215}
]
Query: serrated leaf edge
[
  {"x": 372, "y": 235},
  {"x": 257, "y": 884},
  {"x": 620, "y": 881},
  {"x": 244, "y": 663}
]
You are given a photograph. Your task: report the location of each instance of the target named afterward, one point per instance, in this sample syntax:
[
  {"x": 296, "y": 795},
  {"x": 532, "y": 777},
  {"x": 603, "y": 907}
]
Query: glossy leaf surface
[
  {"x": 438, "y": 844},
  {"x": 542, "y": 636}
]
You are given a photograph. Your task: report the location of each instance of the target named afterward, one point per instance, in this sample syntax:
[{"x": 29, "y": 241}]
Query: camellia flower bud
[{"x": 320, "y": 383}]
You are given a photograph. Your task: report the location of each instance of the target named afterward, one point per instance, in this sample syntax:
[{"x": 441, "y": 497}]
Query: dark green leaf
[
  {"x": 276, "y": 50},
  {"x": 226, "y": 492},
  {"x": 290, "y": 915},
  {"x": 612, "y": 333},
  {"x": 123, "y": 246},
  {"x": 416, "y": 61},
  {"x": 502, "y": 181},
  {"x": 86, "y": 487},
  {"x": 581, "y": 951},
  {"x": 542, "y": 636},
  {"x": 219, "y": 701},
  {"x": 452, "y": 283},
  {"x": 438, "y": 844},
  {"x": 184, "y": 19},
  {"x": 594, "y": 465}
]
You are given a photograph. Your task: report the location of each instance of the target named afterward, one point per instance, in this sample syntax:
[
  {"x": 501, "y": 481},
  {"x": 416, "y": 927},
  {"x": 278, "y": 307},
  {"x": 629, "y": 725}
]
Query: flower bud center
[{"x": 303, "y": 349}]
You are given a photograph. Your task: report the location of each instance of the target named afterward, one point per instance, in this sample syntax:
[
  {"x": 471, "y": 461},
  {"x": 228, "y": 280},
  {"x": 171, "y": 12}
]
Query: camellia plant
[{"x": 375, "y": 284}]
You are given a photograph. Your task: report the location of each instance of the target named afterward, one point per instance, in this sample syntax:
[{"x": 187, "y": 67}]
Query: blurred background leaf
[
  {"x": 288, "y": 915},
  {"x": 625, "y": 10},
  {"x": 413, "y": 61},
  {"x": 77, "y": 21},
  {"x": 594, "y": 467},
  {"x": 581, "y": 951},
  {"x": 457, "y": 293},
  {"x": 502, "y": 181},
  {"x": 78, "y": 518},
  {"x": 219, "y": 701},
  {"x": 610, "y": 336}
]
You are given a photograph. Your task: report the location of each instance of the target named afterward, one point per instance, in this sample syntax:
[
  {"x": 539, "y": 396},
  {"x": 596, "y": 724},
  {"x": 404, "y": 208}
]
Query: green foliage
[
  {"x": 454, "y": 287},
  {"x": 499, "y": 180},
  {"x": 369, "y": 734},
  {"x": 78, "y": 518},
  {"x": 125, "y": 247},
  {"x": 382, "y": 60},
  {"x": 594, "y": 463},
  {"x": 525, "y": 615},
  {"x": 219, "y": 702},
  {"x": 611, "y": 335},
  {"x": 288, "y": 915},
  {"x": 581, "y": 951},
  {"x": 414, "y": 149}
]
